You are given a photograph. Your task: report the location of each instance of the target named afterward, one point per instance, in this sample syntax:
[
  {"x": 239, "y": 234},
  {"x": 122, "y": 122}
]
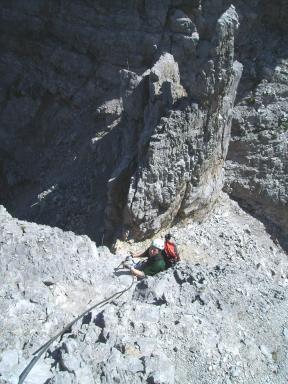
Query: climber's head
[{"x": 156, "y": 247}]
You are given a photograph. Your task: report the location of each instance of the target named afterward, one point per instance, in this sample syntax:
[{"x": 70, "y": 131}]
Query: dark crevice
[
  {"x": 99, "y": 320},
  {"x": 102, "y": 339},
  {"x": 198, "y": 298},
  {"x": 160, "y": 301},
  {"x": 218, "y": 305},
  {"x": 87, "y": 318}
]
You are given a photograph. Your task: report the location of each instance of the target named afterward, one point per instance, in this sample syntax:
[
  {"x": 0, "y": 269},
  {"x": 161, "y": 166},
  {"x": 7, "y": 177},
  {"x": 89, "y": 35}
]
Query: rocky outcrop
[
  {"x": 220, "y": 314},
  {"x": 91, "y": 97},
  {"x": 186, "y": 128},
  {"x": 257, "y": 166},
  {"x": 47, "y": 276}
]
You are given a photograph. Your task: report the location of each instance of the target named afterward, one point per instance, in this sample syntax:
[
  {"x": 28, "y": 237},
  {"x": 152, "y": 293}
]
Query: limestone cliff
[
  {"x": 257, "y": 166},
  {"x": 115, "y": 119}
]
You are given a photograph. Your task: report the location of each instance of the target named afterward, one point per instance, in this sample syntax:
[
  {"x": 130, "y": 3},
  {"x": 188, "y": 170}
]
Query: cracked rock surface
[
  {"x": 257, "y": 161},
  {"x": 219, "y": 316},
  {"x": 86, "y": 125},
  {"x": 115, "y": 118}
]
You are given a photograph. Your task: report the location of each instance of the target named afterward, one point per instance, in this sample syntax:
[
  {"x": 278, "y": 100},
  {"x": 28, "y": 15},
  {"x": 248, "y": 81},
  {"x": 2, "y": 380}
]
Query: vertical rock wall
[
  {"x": 185, "y": 128},
  {"x": 257, "y": 166},
  {"x": 114, "y": 117}
]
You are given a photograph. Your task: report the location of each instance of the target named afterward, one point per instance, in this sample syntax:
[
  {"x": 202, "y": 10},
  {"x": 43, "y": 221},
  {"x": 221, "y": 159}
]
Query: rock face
[
  {"x": 115, "y": 122},
  {"x": 115, "y": 119},
  {"x": 47, "y": 276},
  {"x": 124, "y": 137},
  {"x": 185, "y": 138},
  {"x": 257, "y": 161},
  {"x": 220, "y": 314}
]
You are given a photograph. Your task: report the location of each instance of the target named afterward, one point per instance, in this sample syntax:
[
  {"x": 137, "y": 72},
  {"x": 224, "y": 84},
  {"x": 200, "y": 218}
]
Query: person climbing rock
[
  {"x": 155, "y": 260},
  {"x": 171, "y": 254}
]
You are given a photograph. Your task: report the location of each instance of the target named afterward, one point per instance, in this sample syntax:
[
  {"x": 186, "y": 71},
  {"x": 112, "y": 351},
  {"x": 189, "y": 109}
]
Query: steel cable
[{"x": 44, "y": 347}]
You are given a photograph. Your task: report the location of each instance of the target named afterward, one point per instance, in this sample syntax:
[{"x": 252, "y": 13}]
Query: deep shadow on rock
[{"x": 87, "y": 127}]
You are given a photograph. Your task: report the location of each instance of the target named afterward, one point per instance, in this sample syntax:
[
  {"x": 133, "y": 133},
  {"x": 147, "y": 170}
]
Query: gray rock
[
  {"x": 139, "y": 93},
  {"x": 158, "y": 192},
  {"x": 285, "y": 333},
  {"x": 123, "y": 139},
  {"x": 205, "y": 312},
  {"x": 82, "y": 170},
  {"x": 159, "y": 369},
  {"x": 256, "y": 170}
]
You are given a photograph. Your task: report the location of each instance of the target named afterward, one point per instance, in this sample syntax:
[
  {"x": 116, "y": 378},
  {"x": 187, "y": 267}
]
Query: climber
[
  {"x": 171, "y": 254},
  {"x": 155, "y": 260}
]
